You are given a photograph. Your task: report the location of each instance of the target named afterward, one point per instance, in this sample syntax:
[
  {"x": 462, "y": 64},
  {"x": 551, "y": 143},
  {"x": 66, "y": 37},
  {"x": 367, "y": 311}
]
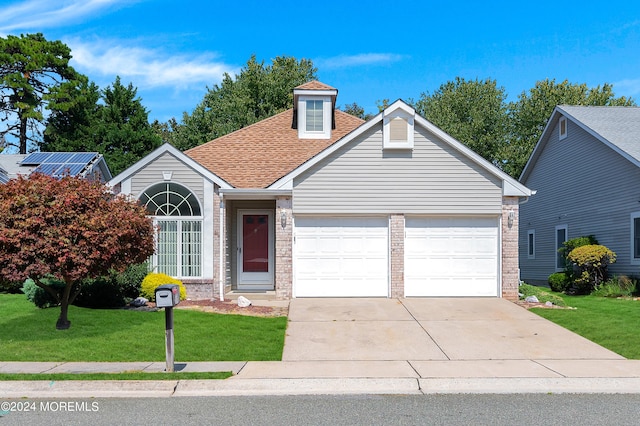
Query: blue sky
[{"x": 172, "y": 50}]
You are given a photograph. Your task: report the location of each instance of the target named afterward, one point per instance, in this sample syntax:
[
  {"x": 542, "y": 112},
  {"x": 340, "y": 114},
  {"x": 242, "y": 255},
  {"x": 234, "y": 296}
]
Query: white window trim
[
  {"x": 326, "y": 118},
  {"x": 179, "y": 219},
  {"x": 179, "y": 235},
  {"x": 633, "y": 260},
  {"x": 387, "y": 142},
  {"x": 557, "y": 246},
  {"x": 563, "y": 120},
  {"x": 531, "y": 254}
]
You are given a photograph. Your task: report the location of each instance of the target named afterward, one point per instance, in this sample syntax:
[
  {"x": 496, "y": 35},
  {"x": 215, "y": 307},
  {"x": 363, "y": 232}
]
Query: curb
[{"x": 313, "y": 386}]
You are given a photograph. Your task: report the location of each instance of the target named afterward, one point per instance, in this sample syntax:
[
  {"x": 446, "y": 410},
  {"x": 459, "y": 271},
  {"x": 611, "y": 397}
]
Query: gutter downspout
[{"x": 221, "y": 242}]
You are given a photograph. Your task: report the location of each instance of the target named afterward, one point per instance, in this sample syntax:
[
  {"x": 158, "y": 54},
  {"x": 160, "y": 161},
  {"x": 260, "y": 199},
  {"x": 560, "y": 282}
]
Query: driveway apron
[{"x": 427, "y": 329}]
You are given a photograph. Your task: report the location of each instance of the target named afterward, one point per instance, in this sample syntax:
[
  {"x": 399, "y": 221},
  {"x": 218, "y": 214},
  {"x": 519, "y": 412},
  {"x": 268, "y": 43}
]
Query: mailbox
[{"x": 167, "y": 296}]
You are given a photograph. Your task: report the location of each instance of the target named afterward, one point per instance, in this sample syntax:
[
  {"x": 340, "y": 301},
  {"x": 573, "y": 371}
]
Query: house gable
[
  {"x": 510, "y": 186},
  {"x": 363, "y": 177},
  {"x": 165, "y": 163}
]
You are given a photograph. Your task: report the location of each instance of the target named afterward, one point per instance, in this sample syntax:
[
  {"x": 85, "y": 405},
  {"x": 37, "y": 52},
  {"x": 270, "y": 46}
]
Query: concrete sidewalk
[
  {"x": 380, "y": 346},
  {"x": 339, "y": 377}
]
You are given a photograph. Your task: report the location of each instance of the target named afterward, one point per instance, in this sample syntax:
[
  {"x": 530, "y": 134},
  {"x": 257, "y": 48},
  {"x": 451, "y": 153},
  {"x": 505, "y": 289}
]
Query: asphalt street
[{"x": 487, "y": 409}]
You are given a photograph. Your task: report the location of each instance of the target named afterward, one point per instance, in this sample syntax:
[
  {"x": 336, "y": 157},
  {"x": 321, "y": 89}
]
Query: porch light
[
  {"x": 283, "y": 218},
  {"x": 510, "y": 218}
]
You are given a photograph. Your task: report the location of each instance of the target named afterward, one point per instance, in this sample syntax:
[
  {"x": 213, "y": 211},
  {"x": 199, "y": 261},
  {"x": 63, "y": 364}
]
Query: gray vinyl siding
[
  {"x": 182, "y": 174},
  {"x": 362, "y": 178},
  {"x": 585, "y": 185}
]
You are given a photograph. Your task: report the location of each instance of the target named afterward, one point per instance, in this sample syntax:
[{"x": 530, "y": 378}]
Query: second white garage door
[
  {"x": 451, "y": 257},
  {"x": 341, "y": 257}
]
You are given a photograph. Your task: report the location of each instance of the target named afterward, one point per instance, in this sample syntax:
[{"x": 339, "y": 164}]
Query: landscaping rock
[
  {"x": 243, "y": 302},
  {"x": 531, "y": 299}
]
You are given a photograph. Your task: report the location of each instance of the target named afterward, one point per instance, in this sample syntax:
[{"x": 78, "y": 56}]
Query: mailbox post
[{"x": 168, "y": 296}]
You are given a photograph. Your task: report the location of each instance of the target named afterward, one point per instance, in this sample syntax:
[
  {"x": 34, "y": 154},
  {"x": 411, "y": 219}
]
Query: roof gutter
[{"x": 254, "y": 193}]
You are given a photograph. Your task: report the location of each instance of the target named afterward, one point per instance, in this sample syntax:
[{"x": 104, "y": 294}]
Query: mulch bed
[
  {"x": 529, "y": 305},
  {"x": 229, "y": 307}
]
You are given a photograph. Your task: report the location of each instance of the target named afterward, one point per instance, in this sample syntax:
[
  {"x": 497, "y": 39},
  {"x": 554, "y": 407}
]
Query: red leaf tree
[{"x": 69, "y": 229}]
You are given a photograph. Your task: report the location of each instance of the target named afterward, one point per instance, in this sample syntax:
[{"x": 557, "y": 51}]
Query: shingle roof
[
  {"x": 258, "y": 155},
  {"x": 315, "y": 85},
  {"x": 618, "y": 125}
]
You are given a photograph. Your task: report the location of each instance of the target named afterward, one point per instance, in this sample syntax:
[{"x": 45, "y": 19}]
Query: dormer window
[
  {"x": 314, "y": 103},
  {"x": 398, "y": 126},
  {"x": 314, "y": 116}
]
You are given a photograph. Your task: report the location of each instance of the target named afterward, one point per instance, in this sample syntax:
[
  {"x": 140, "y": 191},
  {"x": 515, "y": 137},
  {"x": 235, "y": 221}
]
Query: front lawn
[
  {"x": 612, "y": 323},
  {"x": 29, "y": 334}
]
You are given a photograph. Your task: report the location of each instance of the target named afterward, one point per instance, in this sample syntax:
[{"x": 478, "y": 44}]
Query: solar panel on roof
[
  {"x": 83, "y": 157},
  {"x": 70, "y": 169},
  {"x": 60, "y": 157},
  {"x": 47, "y": 169},
  {"x": 35, "y": 158}
]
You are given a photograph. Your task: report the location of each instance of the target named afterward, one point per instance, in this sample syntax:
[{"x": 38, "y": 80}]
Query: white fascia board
[
  {"x": 399, "y": 104},
  {"x": 167, "y": 148},
  {"x": 253, "y": 193},
  {"x": 511, "y": 190},
  {"x": 307, "y": 92},
  {"x": 287, "y": 180},
  {"x": 511, "y": 187}
]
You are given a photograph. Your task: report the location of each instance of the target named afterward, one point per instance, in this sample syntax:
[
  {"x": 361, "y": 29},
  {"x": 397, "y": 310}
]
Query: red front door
[
  {"x": 255, "y": 243},
  {"x": 255, "y": 250}
]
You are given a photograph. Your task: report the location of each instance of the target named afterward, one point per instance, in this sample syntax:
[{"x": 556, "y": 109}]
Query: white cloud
[
  {"x": 627, "y": 87},
  {"x": 146, "y": 68},
  {"x": 39, "y": 14},
  {"x": 347, "y": 61}
]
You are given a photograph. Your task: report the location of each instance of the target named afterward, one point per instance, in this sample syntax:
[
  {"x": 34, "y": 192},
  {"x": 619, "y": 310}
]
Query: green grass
[
  {"x": 117, "y": 376},
  {"x": 29, "y": 334},
  {"x": 612, "y": 323}
]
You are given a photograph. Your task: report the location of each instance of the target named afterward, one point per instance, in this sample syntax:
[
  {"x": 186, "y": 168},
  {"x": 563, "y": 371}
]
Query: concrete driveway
[{"x": 428, "y": 329}]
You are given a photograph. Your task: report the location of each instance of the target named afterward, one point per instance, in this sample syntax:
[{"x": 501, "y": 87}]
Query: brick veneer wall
[
  {"x": 396, "y": 225},
  {"x": 510, "y": 265},
  {"x": 198, "y": 289},
  {"x": 284, "y": 249}
]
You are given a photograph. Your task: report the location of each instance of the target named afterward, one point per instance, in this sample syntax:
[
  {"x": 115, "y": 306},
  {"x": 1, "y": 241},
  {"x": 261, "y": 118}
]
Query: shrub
[
  {"x": 542, "y": 295},
  {"x": 154, "y": 280},
  {"x": 131, "y": 279},
  {"x": 559, "y": 281},
  {"x": 7, "y": 286},
  {"x": 618, "y": 286},
  {"x": 113, "y": 290},
  {"x": 39, "y": 296},
  {"x": 591, "y": 262},
  {"x": 570, "y": 245}
]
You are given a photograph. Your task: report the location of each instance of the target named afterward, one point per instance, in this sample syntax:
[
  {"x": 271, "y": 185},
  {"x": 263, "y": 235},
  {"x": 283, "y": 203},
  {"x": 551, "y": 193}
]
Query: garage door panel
[
  {"x": 347, "y": 258},
  {"x": 451, "y": 257}
]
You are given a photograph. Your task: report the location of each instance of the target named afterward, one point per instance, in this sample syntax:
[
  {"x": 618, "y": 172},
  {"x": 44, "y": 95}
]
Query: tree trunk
[
  {"x": 23, "y": 135},
  {"x": 63, "y": 321}
]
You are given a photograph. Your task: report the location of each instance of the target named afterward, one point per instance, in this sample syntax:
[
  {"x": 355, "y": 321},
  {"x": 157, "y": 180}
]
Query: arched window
[
  {"x": 170, "y": 199},
  {"x": 177, "y": 215}
]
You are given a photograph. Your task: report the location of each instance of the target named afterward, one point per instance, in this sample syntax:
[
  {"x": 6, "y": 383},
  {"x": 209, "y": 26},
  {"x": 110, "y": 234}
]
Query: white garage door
[
  {"x": 451, "y": 257},
  {"x": 341, "y": 257}
]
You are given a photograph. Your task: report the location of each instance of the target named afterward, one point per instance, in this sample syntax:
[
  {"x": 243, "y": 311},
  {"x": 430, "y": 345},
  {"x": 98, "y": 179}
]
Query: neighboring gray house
[
  {"x": 314, "y": 202},
  {"x": 586, "y": 171}
]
